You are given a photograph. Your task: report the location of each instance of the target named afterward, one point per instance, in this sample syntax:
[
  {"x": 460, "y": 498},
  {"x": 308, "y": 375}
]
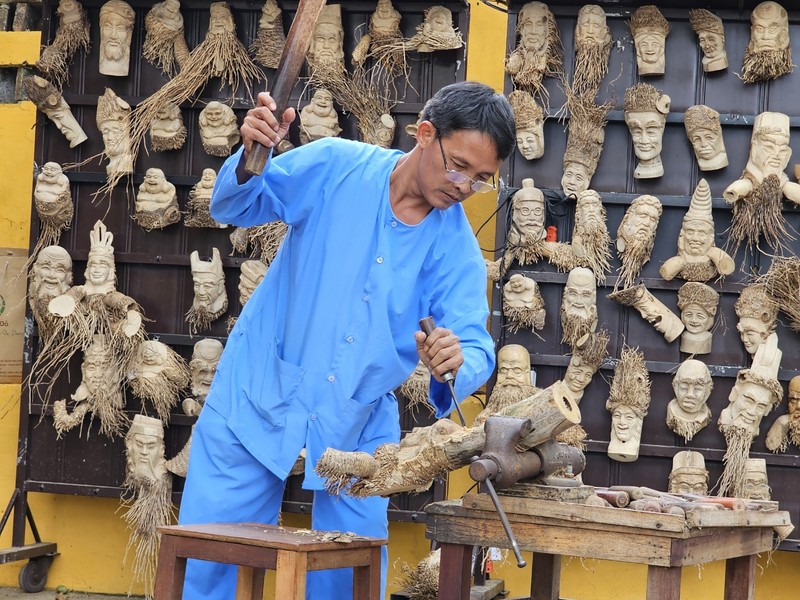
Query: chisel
[{"x": 428, "y": 325}]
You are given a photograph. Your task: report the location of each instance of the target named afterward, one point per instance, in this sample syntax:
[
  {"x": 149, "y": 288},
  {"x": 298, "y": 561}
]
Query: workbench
[{"x": 552, "y": 529}]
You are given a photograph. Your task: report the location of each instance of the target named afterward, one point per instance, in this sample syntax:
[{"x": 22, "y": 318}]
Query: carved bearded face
[
  {"x": 640, "y": 223},
  {"x": 580, "y": 295},
  {"x": 533, "y": 28},
  {"x": 528, "y": 214},
  {"x": 769, "y": 30},
  {"x": 749, "y": 403},
  {"x": 756, "y": 486},
  {"x": 52, "y": 273},
  {"x": 116, "y": 29},
  {"x": 326, "y": 45},
  {"x": 513, "y": 367},
  {"x": 591, "y": 26},
  {"x": 770, "y": 153},
  {"x": 95, "y": 367},
  {"x": 208, "y": 288},
  {"x": 146, "y": 456}
]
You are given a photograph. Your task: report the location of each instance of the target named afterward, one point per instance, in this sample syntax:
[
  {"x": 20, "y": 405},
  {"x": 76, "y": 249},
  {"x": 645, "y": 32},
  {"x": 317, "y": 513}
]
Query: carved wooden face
[
  {"x": 146, "y": 456},
  {"x": 649, "y": 49},
  {"x": 578, "y": 375},
  {"x": 770, "y": 152},
  {"x": 438, "y": 20},
  {"x": 528, "y": 213},
  {"x": 533, "y": 28},
  {"x": 530, "y": 141},
  {"x": 753, "y": 333},
  {"x": 749, "y": 403},
  {"x": 756, "y": 486},
  {"x": 712, "y": 44},
  {"x": 52, "y": 273},
  {"x": 115, "y": 137},
  {"x": 95, "y": 367},
  {"x": 639, "y": 223},
  {"x": 625, "y": 424},
  {"x": 691, "y": 482},
  {"x": 209, "y": 288},
  {"x": 696, "y": 318},
  {"x": 576, "y": 178},
  {"x": 116, "y": 29},
  {"x": 326, "y": 45},
  {"x": 520, "y": 291},
  {"x": 647, "y": 130},
  {"x": 513, "y": 367},
  {"x": 769, "y": 30},
  {"x": 692, "y": 386},
  {"x": 591, "y": 26},
  {"x": 707, "y": 143},
  {"x": 580, "y": 295},
  {"x": 99, "y": 270}
]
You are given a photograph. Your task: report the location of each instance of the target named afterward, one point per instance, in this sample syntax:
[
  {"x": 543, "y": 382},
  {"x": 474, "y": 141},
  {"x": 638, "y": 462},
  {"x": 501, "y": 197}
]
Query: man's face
[
  {"x": 94, "y": 372},
  {"x": 99, "y": 270},
  {"x": 649, "y": 48},
  {"x": 324, "y": 101},
  {"x": 575, "y": 179},
  {"x": 698, "y": 237},
  {"x": 752, "y": 402},
  {"x": 513, "y": 370},
  {"x": 691, "y": 393},
  {"x": 438, "y": 21},
  {"x": 625, "y": 424},
  {"x": 214, "y": 115},
  {"x": 696, "y": 318},
  {"x": 208, "y": 176},
  {"x": 326, "y": 45},
  {"x": 113, "y": 135},
  {"x": 207, "y": 288},
  {"x": 530, "y": 142},
  {"x": 769, "y": 32},
  {"x": 641, "y": 222},
  {"x": 516, "y": 283},
  {"x": 712, "y": 44},
  {"x": 688, "y": 483},
  {"x": 220, "y": 21},
  {"x": 756, "y": 486},
  {"x": 51, "y": 171},
  {"x": 591, "y": 27},
  {"x": 706, "y": 143},
  {"x": 533, "y": 33},
  {"x": 152, "y": 178},
  {"x": 52, "y": 275},
  {"x": 579, "y": 298},
  {"x": 529, "y": 215},
  {"x": 578, "y": 375},
  {"x": 146, "y": 450},
  {"x": 115, "y": 36},
  {"x": 770, "y": 153},
  {"x": 753, "y": 333},
  {"x": 590, "y": 213},
  {"x": 647, "y": 129}
]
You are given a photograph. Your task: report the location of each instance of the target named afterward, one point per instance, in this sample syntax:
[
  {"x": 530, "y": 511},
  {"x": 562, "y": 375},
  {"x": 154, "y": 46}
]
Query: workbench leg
[
  {"x": 663, "y": 583},
  {"x": 740, "y": 578},
  {"x": 367, "y": 579},
  {"x": 454, "y": 571},
  {"x": 249, "y": 583},
  {"x": 170, "y": 571},
  {"x": 546, "y": 576},
  {"x": 290, "y": 575}
]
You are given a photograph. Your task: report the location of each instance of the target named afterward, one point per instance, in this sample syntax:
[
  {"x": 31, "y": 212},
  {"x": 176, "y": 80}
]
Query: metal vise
[{"x": 504, "y": 465}]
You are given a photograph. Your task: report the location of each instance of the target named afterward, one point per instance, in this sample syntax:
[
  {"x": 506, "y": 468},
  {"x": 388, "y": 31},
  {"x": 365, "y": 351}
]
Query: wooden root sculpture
[{"x": 429, "y": 452}]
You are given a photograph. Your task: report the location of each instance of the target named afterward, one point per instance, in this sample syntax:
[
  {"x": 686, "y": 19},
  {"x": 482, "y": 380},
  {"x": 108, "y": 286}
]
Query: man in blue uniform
[{"x": 377, "y": 240}]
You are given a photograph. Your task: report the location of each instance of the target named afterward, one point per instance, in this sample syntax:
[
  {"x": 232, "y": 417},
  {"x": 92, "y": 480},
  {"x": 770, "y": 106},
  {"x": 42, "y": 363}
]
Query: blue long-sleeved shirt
[{"x": 329, "y": 333}]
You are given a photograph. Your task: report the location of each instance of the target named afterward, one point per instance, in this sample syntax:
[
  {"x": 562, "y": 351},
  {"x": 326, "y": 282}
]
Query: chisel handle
[{"x": 427, "y": 325}]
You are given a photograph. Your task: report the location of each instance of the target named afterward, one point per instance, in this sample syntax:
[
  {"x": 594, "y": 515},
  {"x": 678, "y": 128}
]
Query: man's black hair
[{"x": 473, "y": 105}]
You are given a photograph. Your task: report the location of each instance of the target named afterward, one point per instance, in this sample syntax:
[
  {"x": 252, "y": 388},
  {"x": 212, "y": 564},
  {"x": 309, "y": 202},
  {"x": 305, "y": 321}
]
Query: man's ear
[{"x": 426, "y": 133}]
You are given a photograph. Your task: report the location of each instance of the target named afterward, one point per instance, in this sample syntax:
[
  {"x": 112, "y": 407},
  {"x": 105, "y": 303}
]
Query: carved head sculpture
[
  {"x": 168, "y": 132},
  {"x": 319, "y": 118},
  {"x": 530, "y": 124},
  {"x": 578, "y": 305},
  {"x": 786, "y": 428},
  {"x": 209, "y": 282},
  {"x": 270, "y": 13},
  {"x": 100, "y": 273},
  {"x": 689, "y": 474},
  {"x": 769, "y": 54},
  {"x": 650, "y": 308},
  {"x": 144, "y": 449},
  {"x": 591, "y": 26},
  {"x": 636, "y": 236},
  {"x": 116, "y": 29},
  {"x": 49, "y": 100},
  {"x": 50, "y": 183},
  {"x": 705, "y": 134},
  {"x": 327, "y": 49},
  {"x": 711, "y": 37},
  {"x": 157, "y": 373},
  {"x": 438, "y": 19},
  {"x": 51, "y": 276},
  {"x": 220, "y": 18},
  {"x": 523, "y": 304},
  {"x": 585, "y": 137},
  {"x": 436, "y": 32},
  {"x": 385, "y": 19},
  {"x": 513, "y": 366},
  {"x": 528, "y": 212},
  {"x": 113, "y": 121},
  {"x": 769, "y": 146},
  {"x": 688, "y": 412},
  {"x": 756, "y": 485},
  {"x": 698, "y": 304},
  {"x": 649, "y": 29},
  {"x": 587, "y": 356},
  {"x": 590, "y": 238},
  {"x": 758, "y": 316},
  {"x": 628, "y": 401},
  {"x": 219, "y": 131},
  {"x": 539, "y": 50},
  {"x": 592, "y": 48},
  {"x": 646, "y": 110},
  {"x": 205, "y": 357},
  {"x": 252, "y": 272},
  {"x": 97, "y": 369}
]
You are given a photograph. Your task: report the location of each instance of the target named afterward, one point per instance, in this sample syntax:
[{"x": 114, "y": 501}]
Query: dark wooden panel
[{"x": 687, "y": 84}]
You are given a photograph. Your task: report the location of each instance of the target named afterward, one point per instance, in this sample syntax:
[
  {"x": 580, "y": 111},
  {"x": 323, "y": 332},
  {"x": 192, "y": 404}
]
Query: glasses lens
[
  {"x": 456, "y": 176},
  {"x": 482, "y": 186}
]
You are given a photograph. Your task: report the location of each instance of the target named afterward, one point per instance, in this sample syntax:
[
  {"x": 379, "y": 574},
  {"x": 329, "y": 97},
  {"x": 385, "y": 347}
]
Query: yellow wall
[{"x": 90, "y": 533}]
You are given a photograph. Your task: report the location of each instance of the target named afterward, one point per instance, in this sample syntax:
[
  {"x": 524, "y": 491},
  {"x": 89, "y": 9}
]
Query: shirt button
[
  {"x": 313, "y": 417},
  {"x": 365, "y": 297},
  {"x": 331, "y": 378},
  {"x": 349, "y": 339},
  {"x": 394, "y": 223},
  {"x": 379, "y": 260}
]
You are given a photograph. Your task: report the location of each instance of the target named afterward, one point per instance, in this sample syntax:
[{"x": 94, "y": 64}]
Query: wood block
[{"x": 548, "y": 492}]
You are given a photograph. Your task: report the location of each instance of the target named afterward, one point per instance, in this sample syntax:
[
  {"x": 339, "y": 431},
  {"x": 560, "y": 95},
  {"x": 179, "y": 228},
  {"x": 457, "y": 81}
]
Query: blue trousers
[{"x": 226, "y": 484}]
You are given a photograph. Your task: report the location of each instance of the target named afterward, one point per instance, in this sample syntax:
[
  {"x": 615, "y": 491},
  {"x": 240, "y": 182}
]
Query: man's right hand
[{"x": 260, "y": 124}]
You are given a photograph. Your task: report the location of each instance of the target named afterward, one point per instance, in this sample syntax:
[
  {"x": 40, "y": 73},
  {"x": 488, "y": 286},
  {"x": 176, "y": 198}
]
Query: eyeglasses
[{"x": 458, "y": 177}]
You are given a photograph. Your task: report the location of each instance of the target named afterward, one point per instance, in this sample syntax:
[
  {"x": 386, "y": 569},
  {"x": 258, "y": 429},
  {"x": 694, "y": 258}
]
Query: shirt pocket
[{"x": 274, "y": 388}]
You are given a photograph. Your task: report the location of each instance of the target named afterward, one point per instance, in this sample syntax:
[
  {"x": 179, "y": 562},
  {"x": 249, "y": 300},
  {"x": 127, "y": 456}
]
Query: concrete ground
[{"x": 18, "y": 594}]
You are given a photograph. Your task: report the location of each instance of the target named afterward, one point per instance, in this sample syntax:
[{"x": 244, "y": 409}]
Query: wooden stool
[{"x": 254, "y": 547}]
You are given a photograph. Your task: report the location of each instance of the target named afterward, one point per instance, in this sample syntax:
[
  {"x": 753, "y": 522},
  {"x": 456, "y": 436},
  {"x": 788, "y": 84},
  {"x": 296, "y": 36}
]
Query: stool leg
[
  {"x": 171, "y": 570},
  {"x": 367, "y": 580},
  {"x": 290, "y": 575},
  {"x": 249, "y": 583},
  {"x": 663, "y": 583},
  {"x": 546, "y": 576},
  {"x": 740, "y": 578}
]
